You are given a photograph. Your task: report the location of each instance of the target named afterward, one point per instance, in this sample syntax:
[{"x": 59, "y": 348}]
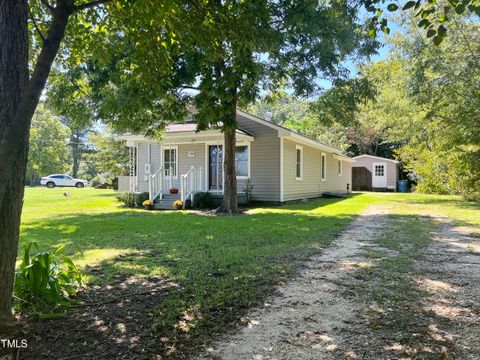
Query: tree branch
[
  {"x": 89, "y": 5},
  {"x": 47, "y": 4},
  {"x": 35, "y": 24}
]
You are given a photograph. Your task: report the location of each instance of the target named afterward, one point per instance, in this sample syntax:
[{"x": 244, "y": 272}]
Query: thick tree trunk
[
  {"x": 13, "y": 144},
  {"x": 229, "y": 203},
  {"x": 19, "y": 98}
]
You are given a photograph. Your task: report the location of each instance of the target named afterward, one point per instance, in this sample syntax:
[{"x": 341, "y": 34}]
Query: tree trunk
[
  {"x": 13, "y": 85},
  {"x": 19, "y": 99},
  {"x": 229, "y": 203},
  {"x": 76, "y": 154}
]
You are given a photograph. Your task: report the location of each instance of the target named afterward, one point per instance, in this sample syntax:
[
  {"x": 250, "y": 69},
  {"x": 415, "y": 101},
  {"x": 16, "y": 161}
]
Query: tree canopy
[
  {"x": 426, "y": 107},
  {"x": 48, "y": 145}
]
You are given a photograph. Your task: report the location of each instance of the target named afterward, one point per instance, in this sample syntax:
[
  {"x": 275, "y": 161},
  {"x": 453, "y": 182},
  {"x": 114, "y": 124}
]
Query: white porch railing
[
  {"x": 162, "y": 181},
  {"x": 190, "y": 183},
  {"x": 155, "y": 185}
]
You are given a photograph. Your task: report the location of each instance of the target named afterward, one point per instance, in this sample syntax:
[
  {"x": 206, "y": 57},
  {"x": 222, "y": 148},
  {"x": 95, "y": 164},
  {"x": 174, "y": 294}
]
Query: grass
[
  {"x": 396, "y": 304},
  {"x": 223, "y": 265}
]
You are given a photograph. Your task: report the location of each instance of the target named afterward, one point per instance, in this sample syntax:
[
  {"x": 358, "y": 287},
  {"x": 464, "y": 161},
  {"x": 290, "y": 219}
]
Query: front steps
[{"x": 166, "y": 203}]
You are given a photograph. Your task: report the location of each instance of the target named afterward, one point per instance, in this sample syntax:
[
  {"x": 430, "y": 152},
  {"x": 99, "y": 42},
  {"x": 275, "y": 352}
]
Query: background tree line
[
  {"x": 58, "y": 144},
  {"x": 420, "y": 105}
]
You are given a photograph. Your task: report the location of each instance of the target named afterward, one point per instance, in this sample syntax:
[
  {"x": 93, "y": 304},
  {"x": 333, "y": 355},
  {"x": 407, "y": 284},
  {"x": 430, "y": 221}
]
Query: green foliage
[
  {"x": 48, "y": 149},
  {"x": 203, "y": 200},
  {"x": 425, "y": 109},
  {"x": 140, "y": 198},
  {"x": 157, "y": 69},
  {"x": 108, "y": 158},
  {"x": 430, "y": 15},
  {"x": 47, "y": 279},
  {"x": 127, "y": 199},
  {"x": 248, "y": 190}
]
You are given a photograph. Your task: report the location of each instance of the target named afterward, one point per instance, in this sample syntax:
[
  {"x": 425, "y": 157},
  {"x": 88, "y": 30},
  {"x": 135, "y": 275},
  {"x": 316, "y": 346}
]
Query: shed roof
[{"x": 377, "y": 158}]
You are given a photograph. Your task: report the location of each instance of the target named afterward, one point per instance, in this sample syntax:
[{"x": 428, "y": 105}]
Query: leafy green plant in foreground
[{"x": 47, "y": 279}]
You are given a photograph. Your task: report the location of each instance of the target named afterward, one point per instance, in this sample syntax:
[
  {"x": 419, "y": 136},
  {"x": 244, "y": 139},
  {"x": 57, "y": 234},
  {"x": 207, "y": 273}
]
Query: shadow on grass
[
  {"x": 397, "y": 309},
  {"x": 181, "y": 280},
  {"x": 223, "y": 266}
]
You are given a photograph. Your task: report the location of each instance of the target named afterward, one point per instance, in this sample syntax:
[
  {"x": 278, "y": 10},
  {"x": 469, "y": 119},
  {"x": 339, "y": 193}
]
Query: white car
[{"x": 51, "y": 181}]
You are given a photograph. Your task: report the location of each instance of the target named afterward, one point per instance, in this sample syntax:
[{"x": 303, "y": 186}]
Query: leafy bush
[
  {"x": 47, "y": 279},
  {"x": 203, "y": 200},
  {"x": 127, "y": 198},
  {"x": 140, "y": 198}
]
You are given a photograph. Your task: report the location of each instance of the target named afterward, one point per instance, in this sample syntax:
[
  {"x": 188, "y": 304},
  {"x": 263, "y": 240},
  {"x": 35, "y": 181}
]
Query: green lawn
[{"x": 223, "y": 265}]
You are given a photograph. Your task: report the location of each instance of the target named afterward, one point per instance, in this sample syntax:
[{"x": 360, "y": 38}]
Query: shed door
[{"x": 379, "y": 175}]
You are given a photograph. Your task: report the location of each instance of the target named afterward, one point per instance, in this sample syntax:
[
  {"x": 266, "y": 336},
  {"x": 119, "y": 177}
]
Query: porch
[{"x": 184, "y": 160}]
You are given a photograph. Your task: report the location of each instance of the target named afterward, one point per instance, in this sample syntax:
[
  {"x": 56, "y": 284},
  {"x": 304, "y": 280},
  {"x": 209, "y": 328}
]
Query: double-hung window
[
  {"x": 170, "y": 161},
  {"x": 241, "y": 161},
  {"x": 340, "y": 167},
  {"x": 323, "y": 167},
  {"x": 298, "y": 162}
]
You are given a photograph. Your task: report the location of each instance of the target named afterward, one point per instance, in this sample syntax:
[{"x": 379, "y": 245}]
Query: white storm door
[{"x": 379, "y": 175}]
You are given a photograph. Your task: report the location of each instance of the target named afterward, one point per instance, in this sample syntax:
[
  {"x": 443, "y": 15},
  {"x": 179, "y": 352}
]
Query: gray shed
[{"x": 375, "y": 173}]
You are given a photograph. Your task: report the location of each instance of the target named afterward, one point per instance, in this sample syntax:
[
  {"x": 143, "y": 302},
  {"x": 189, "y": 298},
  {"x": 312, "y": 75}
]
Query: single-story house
[
  {"x": 278, "y": 163},
  {"x": 375, "y": 173}
]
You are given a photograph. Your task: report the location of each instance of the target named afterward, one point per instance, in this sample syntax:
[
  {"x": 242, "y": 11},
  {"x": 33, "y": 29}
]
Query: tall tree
[
  {"x": 109, "y": 157},
  {"x": 67, "y": 95},
  {"x": 48, "y": 145},
  {"x": 20, "y": 95},
  {"x": 226, "y": 52}
]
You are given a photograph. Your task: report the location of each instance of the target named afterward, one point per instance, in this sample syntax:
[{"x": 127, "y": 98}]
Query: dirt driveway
[{"x": 390, "y": 287}]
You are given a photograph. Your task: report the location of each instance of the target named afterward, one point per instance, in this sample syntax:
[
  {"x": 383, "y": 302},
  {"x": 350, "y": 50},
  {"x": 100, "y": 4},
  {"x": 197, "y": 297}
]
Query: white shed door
[{"x": 379, "y": 175}]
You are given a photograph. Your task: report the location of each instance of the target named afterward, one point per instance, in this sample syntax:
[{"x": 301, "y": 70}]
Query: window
[
  {"x": 241, "y": 161},
  {"x": 379, "y": 170},
  {"x": 170, "y": 161},
  {"x": 298, "y": 162},
  {"x": 340, "y": 168},
  {"x": 323, "y": 167}
]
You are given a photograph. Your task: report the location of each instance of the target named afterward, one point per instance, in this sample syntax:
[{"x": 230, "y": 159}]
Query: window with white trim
[
  {"x": 379, "y": 170},
  {"x": 241, "y": 161},
  {"x": 170, "y": 160},
  {"x": 323, "y": 167},
  {"x": 340, "y": 167},
  {"x": 298, "y": 162}
]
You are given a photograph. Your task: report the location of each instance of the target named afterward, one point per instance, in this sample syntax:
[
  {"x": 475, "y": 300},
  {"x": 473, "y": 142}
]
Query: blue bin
[{"x": 402, "y": 186}]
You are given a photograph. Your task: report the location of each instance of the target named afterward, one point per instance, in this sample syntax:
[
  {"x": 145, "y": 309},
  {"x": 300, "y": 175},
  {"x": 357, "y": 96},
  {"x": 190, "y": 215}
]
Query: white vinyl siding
[
  {"x": 323, "y": 167},
  {"x": 312, "y": 185},
  {"x": 298, "y": 162},
  {"x": 264, "y": 160}
]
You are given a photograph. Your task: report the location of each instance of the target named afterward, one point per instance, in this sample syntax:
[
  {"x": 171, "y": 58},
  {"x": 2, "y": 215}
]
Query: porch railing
[
  {"x": 155, "y": 185},
  {"x": 162, "y": 181},
  {"x": 190, "y": 183}
]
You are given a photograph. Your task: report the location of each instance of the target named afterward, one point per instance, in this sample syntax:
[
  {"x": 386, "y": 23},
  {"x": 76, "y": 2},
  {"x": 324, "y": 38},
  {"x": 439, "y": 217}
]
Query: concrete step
[
  {"x": 163, "y": 207},
  {"x": 172, "y": 197}
]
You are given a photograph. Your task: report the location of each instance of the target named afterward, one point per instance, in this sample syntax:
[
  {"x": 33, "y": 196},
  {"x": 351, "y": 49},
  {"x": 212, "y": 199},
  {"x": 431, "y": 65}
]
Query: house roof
[
  {"x": 190, "y": 126},
  {"x": 376, "y": 157},
  {"x": 284, "y": 131}
]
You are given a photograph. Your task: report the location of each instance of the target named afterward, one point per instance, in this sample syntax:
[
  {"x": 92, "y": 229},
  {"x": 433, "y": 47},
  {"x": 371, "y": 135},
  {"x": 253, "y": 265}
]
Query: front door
[
  {"x": 215, "y": 167},
  {"x": 379, "y": 175}
]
